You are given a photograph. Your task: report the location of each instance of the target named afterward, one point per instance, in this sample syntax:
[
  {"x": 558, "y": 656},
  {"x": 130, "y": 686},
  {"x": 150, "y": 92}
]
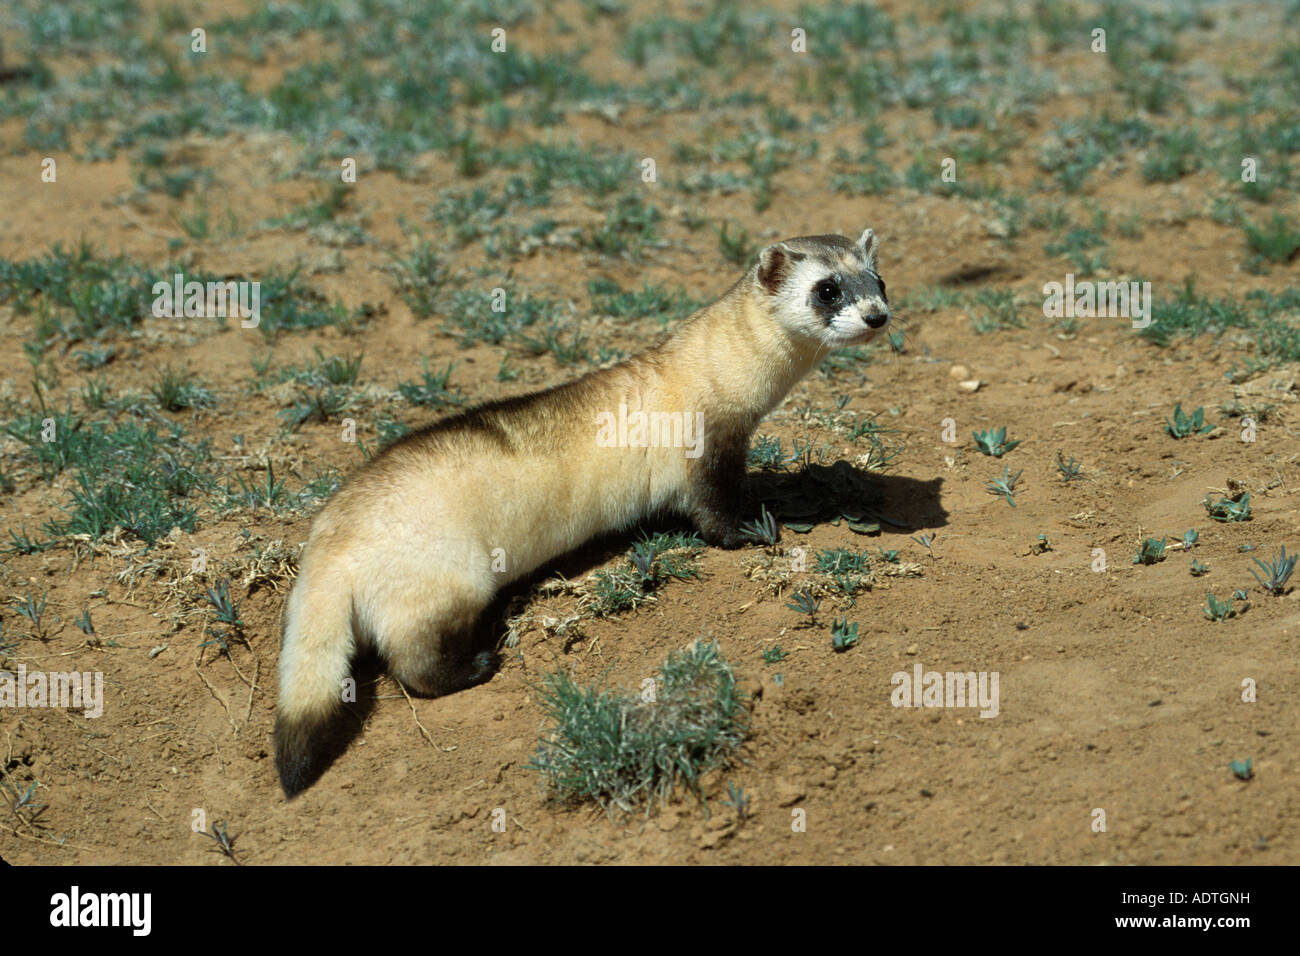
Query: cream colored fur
[{"x": 409, "y": 553}]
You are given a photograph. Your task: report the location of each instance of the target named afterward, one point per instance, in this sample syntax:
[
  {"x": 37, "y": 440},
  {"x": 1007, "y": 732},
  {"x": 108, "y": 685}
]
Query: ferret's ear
[
  {"x": 869, "y": 245},
  {"x": 775, "y": 264}
]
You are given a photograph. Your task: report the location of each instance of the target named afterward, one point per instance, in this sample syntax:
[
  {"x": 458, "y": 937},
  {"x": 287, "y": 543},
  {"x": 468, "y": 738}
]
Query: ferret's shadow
[{"x": 820, "y": 494}]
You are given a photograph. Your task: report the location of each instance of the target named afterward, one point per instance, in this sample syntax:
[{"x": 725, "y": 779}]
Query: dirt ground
[{"x": 1120, "y": 700}]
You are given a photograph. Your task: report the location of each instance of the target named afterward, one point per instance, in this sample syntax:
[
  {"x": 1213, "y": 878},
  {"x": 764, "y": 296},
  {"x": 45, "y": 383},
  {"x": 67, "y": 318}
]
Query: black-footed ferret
[{"x": 406, "y": 556}]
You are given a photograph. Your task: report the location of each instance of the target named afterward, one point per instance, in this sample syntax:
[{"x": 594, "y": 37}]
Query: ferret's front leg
[{"x": 718, "y": 498}]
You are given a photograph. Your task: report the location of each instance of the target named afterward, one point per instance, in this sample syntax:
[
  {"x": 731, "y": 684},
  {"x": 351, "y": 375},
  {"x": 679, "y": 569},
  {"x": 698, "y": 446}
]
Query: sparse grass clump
[
  {"x": 287, "y": 304},
  {"x": 630, "y": 225},
  {"x": 804, "y": 603},
  {"x": 1005, "y": 485},
  {"x": 1276, "y": 241},
  {"x": 78, "y": 295},
  {"x": 625, "y": 751},
  {"x": 23, "y": 807},
  {"x": 766, "y": 453},
  {"x": 33, "y": 610},
  {"x": 225, "y": 843},
  {"x": 494, "y": 315},
  {"x": 991, "y": 310},
  {"x": 652, "y": 561},
  {"x": 419, "y": 276},
  {"x": 432, "y": 390},
  {"x": 1069, "y": 469},
  {"x": 318, "y": 404},
  {"x": 176, "y": 390},
  {"x": 848, "y": 570},
  {"x": 737, "y": 246},
  {"x": 1276, "y": 572},
  {"x": 125, "y": 474},
  {"x": 1174, "y": 155},
  {"x": 665, "y": 304},
  {"x": 763, "y": 528}
]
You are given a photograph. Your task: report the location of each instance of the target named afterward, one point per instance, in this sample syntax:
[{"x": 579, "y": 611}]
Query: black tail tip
[{"x": 298, "y": 757}]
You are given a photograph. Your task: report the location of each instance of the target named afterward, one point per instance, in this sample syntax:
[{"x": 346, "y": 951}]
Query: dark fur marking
[
  {"x": 718, "y": 486},
  {"x": 774, "y": 266},
  {"x": 853, "y": 287}
]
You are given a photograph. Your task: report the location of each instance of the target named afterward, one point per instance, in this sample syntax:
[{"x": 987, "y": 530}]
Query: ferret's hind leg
[{"x": 429, "y": 642}]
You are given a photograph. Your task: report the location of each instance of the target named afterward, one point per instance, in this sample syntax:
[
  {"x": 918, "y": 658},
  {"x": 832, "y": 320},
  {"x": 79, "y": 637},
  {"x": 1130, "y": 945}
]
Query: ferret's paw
[{"x": 730, "y": 539}]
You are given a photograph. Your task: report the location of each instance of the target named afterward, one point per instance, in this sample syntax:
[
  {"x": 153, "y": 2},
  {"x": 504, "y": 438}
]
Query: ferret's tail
[{"x": 315, "y": 660}]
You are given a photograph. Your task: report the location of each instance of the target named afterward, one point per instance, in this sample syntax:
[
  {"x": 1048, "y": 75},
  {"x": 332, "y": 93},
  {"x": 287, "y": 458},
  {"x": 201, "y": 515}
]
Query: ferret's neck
[{"x": 739, "y": 358}]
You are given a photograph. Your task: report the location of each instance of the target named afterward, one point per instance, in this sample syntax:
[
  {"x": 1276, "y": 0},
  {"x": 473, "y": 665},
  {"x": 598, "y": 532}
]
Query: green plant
[
  {"x": 1278, "y": 241},
  {"x": 23, "y": 544},
  {"x": 763, "y": 528},
  {"x": 737, "y": 247},
  {"x": 1069, "y": 469},
  {"x": 271, "y": 492},
  {"x": 623, "y": 750},
  {"x": 225, "y": 842},
  {"x": 1217, "y": 610},
  {"x": 843, "y": 634},
  {"x": 1277, "y": 572},
  {"x": 23, "y": 806},
  {"x": 1005, "y": 485},
  {"x": 765, "y": 453},
  {"x": 226, "y": 611},
  {"x": 33, "y": 610},
  {"x": 1185, "y": 425},
  {"x": 1174, "y": 154},
  {"x": 1229, "y": 509},
  {"x": 84, "y": 624},
  {"x": 1151, "y": 551},
  {"x": 804, "y": 603},
  {"x": 317, "y": 404},
  {"x": 994, "y": 442},
  {"x": 431, "y": 391},
  {"x": 841, "y": 560},
  {"x": 176, "y": 390},
  {"x": 991, "y": 310},
  {"x": 737, "y": 799},
  {"x": 615, "y": 591}
]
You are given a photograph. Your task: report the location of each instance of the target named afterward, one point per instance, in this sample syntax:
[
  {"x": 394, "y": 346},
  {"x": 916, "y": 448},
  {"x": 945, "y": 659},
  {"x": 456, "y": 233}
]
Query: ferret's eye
[
  {"x": 827, "y": 291},
  {"x": 882, "y": 290}
]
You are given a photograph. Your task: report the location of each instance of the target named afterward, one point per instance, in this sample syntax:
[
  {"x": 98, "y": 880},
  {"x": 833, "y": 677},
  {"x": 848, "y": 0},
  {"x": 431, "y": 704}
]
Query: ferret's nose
[{"x": 876, "y": 319}]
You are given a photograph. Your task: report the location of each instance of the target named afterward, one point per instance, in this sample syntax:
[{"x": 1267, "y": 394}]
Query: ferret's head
[{"x": 825, "y": 288}]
